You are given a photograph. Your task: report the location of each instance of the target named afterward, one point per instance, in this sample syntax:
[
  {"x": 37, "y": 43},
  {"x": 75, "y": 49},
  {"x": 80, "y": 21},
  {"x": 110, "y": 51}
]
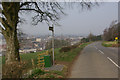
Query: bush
[
  {"x": 36, "y": 72},
  {"x": 65, "y": 49},
  {"x": 68, "y": 48},
  {"x": 51, "y": 76}
]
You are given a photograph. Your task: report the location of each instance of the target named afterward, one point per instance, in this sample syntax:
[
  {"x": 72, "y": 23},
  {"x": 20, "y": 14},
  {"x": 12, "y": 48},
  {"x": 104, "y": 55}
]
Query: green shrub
[
  {"x": 68, "y": 48},
  {"x": 36, "y": 72},
  {"x": 51, "y": 76},
  {"x": 70, "y": 55},
  {"x": 65, "y": 49}
]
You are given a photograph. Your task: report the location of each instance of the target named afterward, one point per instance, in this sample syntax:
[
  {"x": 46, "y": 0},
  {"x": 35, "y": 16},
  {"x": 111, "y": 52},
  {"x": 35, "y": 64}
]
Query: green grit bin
[{"x": 47, "y": 60}]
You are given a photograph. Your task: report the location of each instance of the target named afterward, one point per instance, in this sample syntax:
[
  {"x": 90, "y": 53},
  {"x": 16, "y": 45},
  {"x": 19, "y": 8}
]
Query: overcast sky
[{"x": 78, "y": 22}]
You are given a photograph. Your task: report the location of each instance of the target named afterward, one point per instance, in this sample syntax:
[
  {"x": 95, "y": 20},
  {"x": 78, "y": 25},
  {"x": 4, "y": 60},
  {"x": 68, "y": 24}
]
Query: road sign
[
  {"x": 116, "y": 38},
  {"x": 51, "y": 28}
]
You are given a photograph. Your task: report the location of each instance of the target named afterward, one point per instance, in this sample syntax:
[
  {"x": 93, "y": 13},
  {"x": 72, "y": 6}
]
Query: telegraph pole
[{"x": 52, "y": 29}]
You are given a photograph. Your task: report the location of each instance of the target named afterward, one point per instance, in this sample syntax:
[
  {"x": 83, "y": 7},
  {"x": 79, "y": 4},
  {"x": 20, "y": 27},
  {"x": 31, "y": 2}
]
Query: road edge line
[{"x": 113, "y": 62}]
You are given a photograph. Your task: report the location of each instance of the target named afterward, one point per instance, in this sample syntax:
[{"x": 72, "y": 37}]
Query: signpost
[{"x": 52, "y": 29}]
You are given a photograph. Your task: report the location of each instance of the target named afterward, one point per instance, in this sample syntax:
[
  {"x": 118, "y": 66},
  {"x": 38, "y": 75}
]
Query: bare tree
[
  {"x": 110, "y": 33},
  {"x": 44, "y": 11},
  {"x": 90, "y": 37}
]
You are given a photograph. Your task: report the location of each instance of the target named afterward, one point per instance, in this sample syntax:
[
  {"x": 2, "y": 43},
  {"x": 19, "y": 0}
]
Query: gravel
[{"x": 55, "y": 68}]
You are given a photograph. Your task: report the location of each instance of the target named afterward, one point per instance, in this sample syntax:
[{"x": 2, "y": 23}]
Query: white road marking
[
  {"x": 108, "y": 58},
  {"x": 113, "y": 62},
  {"x": 101, "y": 52}
]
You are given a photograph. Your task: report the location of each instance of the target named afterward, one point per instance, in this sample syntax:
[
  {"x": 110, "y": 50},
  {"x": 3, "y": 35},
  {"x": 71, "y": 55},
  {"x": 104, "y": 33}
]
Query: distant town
[{"x": 31, "y": 44}]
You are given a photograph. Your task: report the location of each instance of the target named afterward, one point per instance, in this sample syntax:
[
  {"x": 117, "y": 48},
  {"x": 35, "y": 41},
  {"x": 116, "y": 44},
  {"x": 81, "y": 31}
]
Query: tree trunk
[
  {"x": 12, "y": 53},
  {"x": 11, "y": 10}
]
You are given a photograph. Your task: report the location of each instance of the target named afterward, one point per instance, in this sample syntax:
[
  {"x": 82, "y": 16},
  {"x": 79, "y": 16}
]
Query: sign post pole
[
  {"x": 53, "y": 44},
  {"x": 52, "y": 29}
]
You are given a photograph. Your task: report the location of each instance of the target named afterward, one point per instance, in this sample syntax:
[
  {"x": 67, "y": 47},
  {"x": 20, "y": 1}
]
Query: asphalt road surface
[{"x": 96, "y": 61}]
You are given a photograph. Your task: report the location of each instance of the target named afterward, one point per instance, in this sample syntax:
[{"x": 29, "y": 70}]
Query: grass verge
[
  {"x": 110, "y": 44},
  {"x": 38, "y": 73},
  {"x": 70, "y": 55}
]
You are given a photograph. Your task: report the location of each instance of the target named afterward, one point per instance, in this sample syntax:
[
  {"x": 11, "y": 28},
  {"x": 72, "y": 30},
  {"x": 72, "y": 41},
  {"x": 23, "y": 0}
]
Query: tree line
[
  {"x": 110, "y": 33},
  {"x": 91, "y": 37}
]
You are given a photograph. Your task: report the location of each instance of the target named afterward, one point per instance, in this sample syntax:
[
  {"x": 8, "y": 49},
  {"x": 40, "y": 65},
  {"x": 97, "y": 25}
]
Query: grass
[
  {"x": 27, "y": 57},
  {"x": 70, "y": 55},
  {"x": 110, "y": 44},
  {"x": 38, "y": 73},
  {"x": 0, "y": 62},
  {"x": 59, "y": 56},
  {"x": 45, "y": 74},
  {"x": 64, "y": 57}
]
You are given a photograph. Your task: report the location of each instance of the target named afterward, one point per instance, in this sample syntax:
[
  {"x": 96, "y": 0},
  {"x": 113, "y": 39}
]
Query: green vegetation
[
  {"x": 92, "y": 37},
  {"x": 68, "y": 48},
  {"x": 110, "y": 44},
  {"x": 70, "y": 55},
  {"x": 27, "y": 57},
  {"x": 38, "y": 73},
  {"x": 59, "y": 56},
  {"x": 0, "y": 62}
]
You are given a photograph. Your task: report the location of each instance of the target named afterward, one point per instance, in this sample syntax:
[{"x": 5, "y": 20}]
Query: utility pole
[{"x": 52, "y": 29}]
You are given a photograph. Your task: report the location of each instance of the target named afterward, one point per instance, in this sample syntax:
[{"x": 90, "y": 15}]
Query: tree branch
[
  {"x": 4, "y": 23},
  {"x": 1, "y": 28},
  {"x": 37, "y": 7},
  {"x": 3, "y": 31},
  {"x": 46, "y": 11},
  {"x": 32, "y": 10},
  {"x": 24, "y": 4}
]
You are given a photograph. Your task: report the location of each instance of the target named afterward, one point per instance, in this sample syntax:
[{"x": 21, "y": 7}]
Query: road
[{"x": 96, "y": 61}]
